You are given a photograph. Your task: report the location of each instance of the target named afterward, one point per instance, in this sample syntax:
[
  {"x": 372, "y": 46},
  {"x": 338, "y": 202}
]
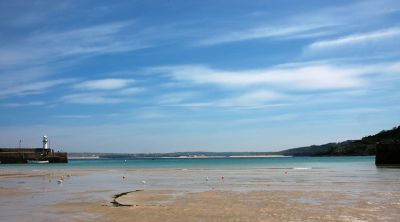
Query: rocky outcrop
[{"x": 388, "y": 154}]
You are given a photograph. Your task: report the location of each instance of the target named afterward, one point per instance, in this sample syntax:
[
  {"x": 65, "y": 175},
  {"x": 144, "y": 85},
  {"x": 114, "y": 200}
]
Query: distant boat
[{"x": 38, "y": 161}]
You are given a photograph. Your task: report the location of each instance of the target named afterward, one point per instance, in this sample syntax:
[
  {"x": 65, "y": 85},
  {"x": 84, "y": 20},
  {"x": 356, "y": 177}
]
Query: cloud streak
[
  {"x": 103, "y": 91},
  {"x": 73, "y": 116},
  {"x": 283, "y": 31},
  {"x": 275, "y": 86},
  {"x": 308, "y": 77},
  {"x": 15, "y": 105},
  {"x": 92, "y": 99},
  {"x": 37, "y": 87},
  {"x": 104, "y": 84},
  {"x": 380, "y": 35},
  {"x": 44, "y": 47},
  {"x": 253, "y": 99},
  {"x": 322, "y": 22}
]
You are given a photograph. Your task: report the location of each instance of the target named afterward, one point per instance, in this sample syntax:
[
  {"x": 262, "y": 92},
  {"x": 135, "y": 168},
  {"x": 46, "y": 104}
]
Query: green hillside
[{"x": 365, "y": 146}]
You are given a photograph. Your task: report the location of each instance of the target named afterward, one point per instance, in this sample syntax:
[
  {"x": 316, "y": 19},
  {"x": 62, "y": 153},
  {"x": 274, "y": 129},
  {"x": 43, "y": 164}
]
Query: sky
[{"x": 178, "y": 75}]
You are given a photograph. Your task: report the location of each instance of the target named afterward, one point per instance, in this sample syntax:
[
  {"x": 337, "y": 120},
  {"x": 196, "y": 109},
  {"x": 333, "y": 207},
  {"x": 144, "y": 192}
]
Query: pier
[
  {"x": 388, "y": 154},
  {"x": 26, "y": 155}
]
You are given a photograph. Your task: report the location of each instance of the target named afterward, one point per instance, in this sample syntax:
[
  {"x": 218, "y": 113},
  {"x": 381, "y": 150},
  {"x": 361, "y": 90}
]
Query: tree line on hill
[{"x": 363, "y": 147}]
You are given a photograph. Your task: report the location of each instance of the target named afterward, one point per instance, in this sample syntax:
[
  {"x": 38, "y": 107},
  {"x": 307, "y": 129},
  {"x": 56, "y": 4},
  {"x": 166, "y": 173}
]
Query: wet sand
[
  {"x": 10, "y": 174},
  {"x": 185, "y": 195},
  {"x": 150, "y": 206}
]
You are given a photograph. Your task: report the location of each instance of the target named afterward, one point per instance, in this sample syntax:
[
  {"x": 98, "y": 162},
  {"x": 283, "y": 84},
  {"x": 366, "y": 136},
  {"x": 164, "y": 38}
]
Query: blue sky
[{"x": 164, "y": 76}]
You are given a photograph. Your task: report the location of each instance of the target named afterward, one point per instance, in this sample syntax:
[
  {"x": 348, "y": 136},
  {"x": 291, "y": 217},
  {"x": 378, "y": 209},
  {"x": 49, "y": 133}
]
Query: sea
[
  {"x": 350, "y": 162},
  {"x": 100, "y": 179}
]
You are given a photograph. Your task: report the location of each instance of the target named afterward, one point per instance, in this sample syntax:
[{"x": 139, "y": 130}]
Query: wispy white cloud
[
  {"x": 104, "y": 84},
  {"x": 150, "y": 114},
  {"x": 350, "y": 14},
  {"x": 318, "y": 23},
  {"x": 193, "y": 104},
  {"x": 92, "y": 98},
  {"x": 14, "y": 105},
  {"x": 103, "y": 91},
  {"x": 37, "y": 87},
  {"x": 130, "y": 91},
  {"x": 13, "y": 78},
  {"x": 271, "y": 118},
  {"x": 283, "y": 31},
  {"x": 275, "y": 86},
  {"x": 32, "y": 13},
  {"x": 311, "y": 77},
  {"x": 33, "y": 80},
  {"x": 283, "y": 117},
  {"x": 380, "y": 35},
  {"x": 44, "y": 47},
  {"x": 358, "y": 110},
  {"x": 251, "y": 99},
  {"x": 176, "y": 98},
  {"x": 73, "y": 116}
]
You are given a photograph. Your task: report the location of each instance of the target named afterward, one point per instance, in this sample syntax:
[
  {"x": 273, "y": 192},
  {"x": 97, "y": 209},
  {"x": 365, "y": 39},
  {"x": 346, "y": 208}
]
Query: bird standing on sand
[{"x": 144, "y": 183}]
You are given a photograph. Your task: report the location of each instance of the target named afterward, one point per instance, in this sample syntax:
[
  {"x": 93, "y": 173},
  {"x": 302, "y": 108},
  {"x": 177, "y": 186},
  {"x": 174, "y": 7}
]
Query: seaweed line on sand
[{"x": 116, "y": 196}]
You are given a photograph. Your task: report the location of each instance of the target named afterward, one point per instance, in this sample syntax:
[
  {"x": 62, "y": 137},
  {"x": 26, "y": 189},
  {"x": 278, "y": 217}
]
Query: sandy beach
[
  {"x": 243, "y": 206},
  {"x": 200, "y": 195},
  {"x": 200, "y": 111}
]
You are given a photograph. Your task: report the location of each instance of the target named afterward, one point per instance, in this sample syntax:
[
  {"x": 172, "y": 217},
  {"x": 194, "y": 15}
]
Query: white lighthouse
[{"x": 45, "y": 142}]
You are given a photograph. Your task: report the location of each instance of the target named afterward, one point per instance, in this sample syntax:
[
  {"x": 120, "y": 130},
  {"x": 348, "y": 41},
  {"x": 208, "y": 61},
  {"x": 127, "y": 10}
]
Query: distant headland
[{"x": 366, "y": 146}]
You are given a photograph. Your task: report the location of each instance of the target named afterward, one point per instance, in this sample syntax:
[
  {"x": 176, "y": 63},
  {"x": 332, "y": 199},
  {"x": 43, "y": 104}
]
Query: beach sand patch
[{"x": 161, "y": 205}]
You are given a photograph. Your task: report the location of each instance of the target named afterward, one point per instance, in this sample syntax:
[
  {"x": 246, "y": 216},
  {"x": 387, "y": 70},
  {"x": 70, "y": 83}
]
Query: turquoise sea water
[
  {"x": 208, "y": 163},
  {"x": 241, "y": 173}
]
